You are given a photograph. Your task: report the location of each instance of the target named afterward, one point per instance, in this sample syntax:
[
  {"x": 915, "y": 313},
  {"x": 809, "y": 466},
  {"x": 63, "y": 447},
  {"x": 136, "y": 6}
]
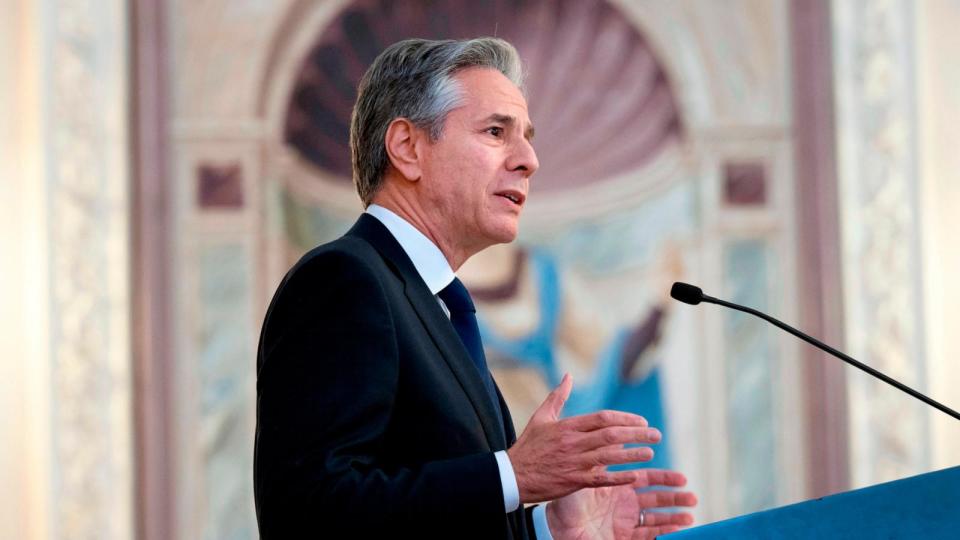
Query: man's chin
[
  {"x": 505, "y": 235},
  {"x": 500, "y": 231}
]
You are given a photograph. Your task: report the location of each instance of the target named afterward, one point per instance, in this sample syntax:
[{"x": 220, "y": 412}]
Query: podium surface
[{"x": 926, "y": 506}]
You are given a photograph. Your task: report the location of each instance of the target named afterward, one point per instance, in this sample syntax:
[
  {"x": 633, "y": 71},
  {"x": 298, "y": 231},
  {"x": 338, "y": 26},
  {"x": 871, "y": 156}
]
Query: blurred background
[{"x": 162, "y": 163}]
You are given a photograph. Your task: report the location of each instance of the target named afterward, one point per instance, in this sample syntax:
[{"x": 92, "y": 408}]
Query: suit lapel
[{"x": 437, "y": 324}]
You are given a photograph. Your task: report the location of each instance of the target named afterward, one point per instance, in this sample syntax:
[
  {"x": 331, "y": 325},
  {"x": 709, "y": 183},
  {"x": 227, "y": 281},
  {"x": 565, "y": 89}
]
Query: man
[{"x": 376, "y": 413}]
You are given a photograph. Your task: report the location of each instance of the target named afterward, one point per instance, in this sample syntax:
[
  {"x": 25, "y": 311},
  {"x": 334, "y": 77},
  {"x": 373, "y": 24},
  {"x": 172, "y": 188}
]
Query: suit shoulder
[
  {"x": 346, "y": 256},
  {"x": 329, "y": 278}
]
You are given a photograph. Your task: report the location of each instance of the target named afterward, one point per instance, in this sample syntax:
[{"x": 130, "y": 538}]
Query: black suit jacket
[{"x": 371, "y": 417}]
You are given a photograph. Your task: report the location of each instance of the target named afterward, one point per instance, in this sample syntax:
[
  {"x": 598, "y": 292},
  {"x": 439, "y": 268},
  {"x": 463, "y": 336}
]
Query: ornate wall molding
[
  {"x": 85, "y": 110},
  {"x": 877, "y": 156},
  {"x": 820, "y": 308}
]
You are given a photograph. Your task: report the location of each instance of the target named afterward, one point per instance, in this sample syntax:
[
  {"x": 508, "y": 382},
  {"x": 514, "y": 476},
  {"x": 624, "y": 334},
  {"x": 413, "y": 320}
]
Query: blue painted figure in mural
[{"x": 535, "y": 329}]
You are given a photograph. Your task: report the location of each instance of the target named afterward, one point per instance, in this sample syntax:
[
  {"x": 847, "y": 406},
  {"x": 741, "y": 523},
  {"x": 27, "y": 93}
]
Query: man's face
[{"x": 477, "y": 174}]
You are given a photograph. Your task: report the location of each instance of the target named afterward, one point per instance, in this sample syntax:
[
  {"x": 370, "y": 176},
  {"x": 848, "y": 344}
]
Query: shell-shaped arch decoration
[{"x": 600, "y": 98}]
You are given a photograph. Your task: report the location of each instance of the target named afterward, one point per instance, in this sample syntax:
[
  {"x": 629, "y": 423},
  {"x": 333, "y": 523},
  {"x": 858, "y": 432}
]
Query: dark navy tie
[{"x": 463, "y": 315}]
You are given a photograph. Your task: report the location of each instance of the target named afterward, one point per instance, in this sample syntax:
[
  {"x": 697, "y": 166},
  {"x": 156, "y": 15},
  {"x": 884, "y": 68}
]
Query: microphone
[
  {"x": 687, "y": 293},
  {"x": 693, "y": 295}
]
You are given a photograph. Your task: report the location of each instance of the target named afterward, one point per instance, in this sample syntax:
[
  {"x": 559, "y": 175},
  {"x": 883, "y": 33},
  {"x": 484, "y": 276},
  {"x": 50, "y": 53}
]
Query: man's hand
[
  {"x": 553, "y": 457},
  {"x": 613, "y": 513}
]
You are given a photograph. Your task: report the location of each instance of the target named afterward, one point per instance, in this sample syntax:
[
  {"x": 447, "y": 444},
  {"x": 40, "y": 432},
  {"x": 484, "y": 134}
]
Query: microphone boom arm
[{"x": 823, "y": 346}]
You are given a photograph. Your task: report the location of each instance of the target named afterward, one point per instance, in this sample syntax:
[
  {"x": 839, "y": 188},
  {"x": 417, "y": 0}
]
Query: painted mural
[
  {"x": 663, "y": 157},
  {"x": 604, "y": 110}
]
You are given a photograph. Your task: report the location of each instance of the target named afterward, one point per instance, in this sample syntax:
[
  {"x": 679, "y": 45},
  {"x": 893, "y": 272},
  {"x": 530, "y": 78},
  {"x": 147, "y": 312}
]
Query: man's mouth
[{"x": 515, "y": 197}]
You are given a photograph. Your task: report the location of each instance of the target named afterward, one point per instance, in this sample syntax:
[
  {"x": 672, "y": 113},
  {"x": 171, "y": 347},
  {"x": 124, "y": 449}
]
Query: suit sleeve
[{"x": 327, "y": 381}]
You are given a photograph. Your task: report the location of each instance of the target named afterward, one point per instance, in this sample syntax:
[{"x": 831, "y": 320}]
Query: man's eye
[{"x": 495, "y": 131}]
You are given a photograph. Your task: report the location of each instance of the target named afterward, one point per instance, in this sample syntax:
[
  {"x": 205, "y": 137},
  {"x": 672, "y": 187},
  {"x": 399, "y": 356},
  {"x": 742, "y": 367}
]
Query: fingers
[
  {"x": 661, "y": 519},
  {"x": 551, "y": 407},
  {"x": 659, "y": 523},
  {"x": 553, "y": 457},
  {"x": 660, "y": 477},
  {"x": 616, "y": 455},
  {"x": 666, "y": 499},
  {"x": 604, "y": 478},
  {"x": 604, "y": 419},
  {"x": 618, "y": 436}
]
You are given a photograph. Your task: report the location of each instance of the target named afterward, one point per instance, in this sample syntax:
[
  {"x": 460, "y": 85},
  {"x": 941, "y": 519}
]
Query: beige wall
[
  {"x": 938, "y": 82},
  {"x": 23, "y": 455},
  {"x": 65, "y": 407}
]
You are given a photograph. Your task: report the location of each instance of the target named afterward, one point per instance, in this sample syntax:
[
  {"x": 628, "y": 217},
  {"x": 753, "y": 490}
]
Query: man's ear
[{"x": 403, "y": 146}]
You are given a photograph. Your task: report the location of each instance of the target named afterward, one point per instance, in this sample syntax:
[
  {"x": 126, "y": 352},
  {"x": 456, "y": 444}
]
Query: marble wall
[
  {"x": 877, "y": 141},
  {"x": 70, "y": 96},
  {"x": 243, "y": 204}
]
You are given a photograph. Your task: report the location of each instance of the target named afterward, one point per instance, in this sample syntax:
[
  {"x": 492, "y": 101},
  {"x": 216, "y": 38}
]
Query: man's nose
[{"x": 524, "y": 158}]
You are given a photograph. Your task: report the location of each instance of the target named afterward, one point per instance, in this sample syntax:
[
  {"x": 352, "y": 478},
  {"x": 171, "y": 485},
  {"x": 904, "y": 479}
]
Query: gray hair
[{"x": 414, "y": 79}]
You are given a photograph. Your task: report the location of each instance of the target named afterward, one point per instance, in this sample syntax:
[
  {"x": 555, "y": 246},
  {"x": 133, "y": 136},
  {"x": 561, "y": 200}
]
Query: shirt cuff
[
  {"x": 511, "y": 492},
  {"x": 540, "y": 526}
]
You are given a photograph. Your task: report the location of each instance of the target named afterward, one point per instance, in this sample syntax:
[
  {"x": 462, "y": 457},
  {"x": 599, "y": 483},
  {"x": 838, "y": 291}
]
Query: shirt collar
[{"x": 425, "y": 255}]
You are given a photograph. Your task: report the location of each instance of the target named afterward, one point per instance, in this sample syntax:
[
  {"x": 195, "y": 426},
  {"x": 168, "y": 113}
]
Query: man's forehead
[{"x": 493, "y": 96}]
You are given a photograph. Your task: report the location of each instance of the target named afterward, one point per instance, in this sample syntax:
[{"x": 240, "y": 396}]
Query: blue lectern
[{"x": 925, "y": 506}]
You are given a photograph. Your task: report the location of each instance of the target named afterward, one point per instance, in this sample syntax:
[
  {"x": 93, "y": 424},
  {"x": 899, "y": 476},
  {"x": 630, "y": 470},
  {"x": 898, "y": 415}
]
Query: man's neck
[
  {"x": 412, "y": 213},
  {"x": 426, "y": 257}
]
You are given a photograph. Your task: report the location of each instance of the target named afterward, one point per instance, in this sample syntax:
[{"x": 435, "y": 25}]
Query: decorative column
[
  {"x": 878, "y": 178},
  {"x": 84, "y": 106}
]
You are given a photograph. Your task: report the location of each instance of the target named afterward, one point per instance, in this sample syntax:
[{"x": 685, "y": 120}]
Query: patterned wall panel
[
  {"x": 87, "y": 184},
  {"x": 224, "y": 367},
  {"x": 750, "y": 369},
  {"x": 877, "y": 137},
  {"x": 218, "y": 332}
]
